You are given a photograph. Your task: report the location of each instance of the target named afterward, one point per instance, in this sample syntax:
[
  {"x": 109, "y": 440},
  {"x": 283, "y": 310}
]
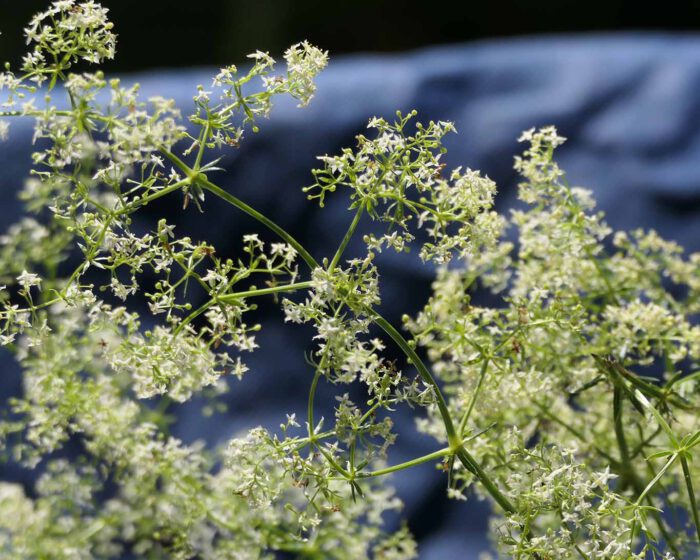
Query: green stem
[
  {"x": 192, "y": 316},
  {"x": 652, "y": 483},
  {"x": 619, "y": 428},
  {"x": 204, "y": 136},
  {"x": 412, "y": 463},
  {"x": 691, "y": 494},
  {"x": 581, "y": 553},
  {"x": 301, "y": 443},
  {"x": 453, "y": 439},
  {"x": 148, "y": 198},
  {"x": 475, "y": 394},
  {"x": 348, "y": 236},
  {"x": 232, "y": 298},
  {"x": 310, "y": 428},
  {"x": 471, "y": 465},
  {"x": 202, "y": 180},
  {"x": 625, "y": 467},
  {"x": 211, "y": 187},
  {"x": 310, "y": 406}
]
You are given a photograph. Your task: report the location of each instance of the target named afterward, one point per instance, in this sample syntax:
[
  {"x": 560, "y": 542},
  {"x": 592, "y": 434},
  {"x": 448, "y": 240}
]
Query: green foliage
[{"x": 542, "y": 405}]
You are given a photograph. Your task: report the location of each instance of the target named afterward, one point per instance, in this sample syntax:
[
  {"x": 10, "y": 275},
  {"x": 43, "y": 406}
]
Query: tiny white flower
[{"x": 28, "y": 279}]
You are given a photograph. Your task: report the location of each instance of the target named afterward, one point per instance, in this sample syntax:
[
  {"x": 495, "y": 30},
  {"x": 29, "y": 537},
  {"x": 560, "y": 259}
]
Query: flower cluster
[
  {"x": 168, "y": 502},
  {"x": 333, "y": 294},
  {"x": 398, "y": 178},
  {"x": 564, "y": 362},
  {"x": 563, "y": 503},
  {"x": 63, "y": 34},
  {"x": 218, "y": 111}
]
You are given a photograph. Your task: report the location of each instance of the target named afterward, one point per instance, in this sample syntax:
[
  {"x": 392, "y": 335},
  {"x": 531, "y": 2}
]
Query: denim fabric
[{"x": 629, "y": 105}]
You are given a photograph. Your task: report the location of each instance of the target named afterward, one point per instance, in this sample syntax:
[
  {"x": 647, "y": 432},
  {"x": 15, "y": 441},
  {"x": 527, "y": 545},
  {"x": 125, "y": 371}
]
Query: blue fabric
[{"x": 628, "y": 104}]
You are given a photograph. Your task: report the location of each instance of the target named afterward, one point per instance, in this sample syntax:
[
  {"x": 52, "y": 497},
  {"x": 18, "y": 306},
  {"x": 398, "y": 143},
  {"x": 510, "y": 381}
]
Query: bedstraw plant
[{"x": 571, "y": 405}]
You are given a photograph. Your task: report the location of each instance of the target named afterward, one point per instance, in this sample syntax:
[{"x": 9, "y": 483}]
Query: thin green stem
[
  {"x": 310, "y": 406},
  {"x": 202, "y": 143},
  {"x": 237, "y": 296},
  {"x": 301, "y": 443},
  {"x": 348, "y": 235},
  {"x": 192, "y": 316},
  {"x": 310, "y": 427},
  {"x": 581, "y": 553},
  {"x": 626, "y": 468},
  {"x": 475, "y": 394},
  {"x": 408, "y": 464},
  {"x": 619, "y": 428},
  {"x": 211, "y": 187},
  {"x": 151, "y": 197},
  {"x": 369, "y": 412},
  {"x": 453, "y": 439},
  {"x": 652, "y": 483},
  {"x": 471, "y": 465},
  {"x": 691, "y": 494},
  {"x": 205, "y": 183}
]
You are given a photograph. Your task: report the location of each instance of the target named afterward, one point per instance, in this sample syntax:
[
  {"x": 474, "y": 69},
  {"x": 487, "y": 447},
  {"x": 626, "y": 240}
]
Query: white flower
[
  {"x": 213, "y": 278},
  {"x": 174, "y": 176},
  {"x": 239, "y": 368},
  {"x": 28, "y": 279},
  {"x": 252, "y": 238},
  {"x": 376, "y": 122},
  {"x": 262, "y": 56}
]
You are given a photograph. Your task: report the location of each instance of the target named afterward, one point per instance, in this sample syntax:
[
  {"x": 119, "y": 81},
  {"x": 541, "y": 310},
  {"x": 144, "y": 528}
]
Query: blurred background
[
  {"x": 183, "y": 33},
  {"x": 619, "y": 78}
]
